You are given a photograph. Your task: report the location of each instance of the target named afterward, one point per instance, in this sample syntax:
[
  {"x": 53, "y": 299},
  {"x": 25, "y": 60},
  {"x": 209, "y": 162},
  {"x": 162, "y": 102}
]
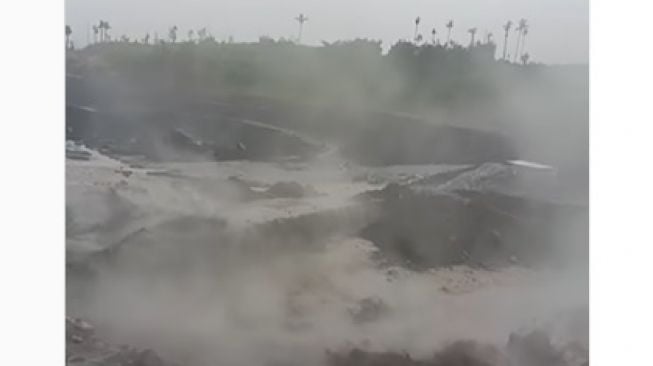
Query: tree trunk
[
  {"x": 505, "y": 46},
  {"x": 517, "y": 49}
]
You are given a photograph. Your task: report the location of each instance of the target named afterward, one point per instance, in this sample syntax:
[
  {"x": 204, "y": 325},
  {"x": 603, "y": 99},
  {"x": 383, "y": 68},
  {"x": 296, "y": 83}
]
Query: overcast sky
[{"x": 559, "y": 29}]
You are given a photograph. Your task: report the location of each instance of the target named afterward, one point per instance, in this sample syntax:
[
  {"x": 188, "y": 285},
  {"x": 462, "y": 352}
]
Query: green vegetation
[
  {"x": 352, "y": 72},
  {"x": 410, "y": 76}
]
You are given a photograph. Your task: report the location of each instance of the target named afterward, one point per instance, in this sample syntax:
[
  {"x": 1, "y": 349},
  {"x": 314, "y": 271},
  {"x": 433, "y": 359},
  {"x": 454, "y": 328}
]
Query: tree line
[{"x": 101, "y": 35}]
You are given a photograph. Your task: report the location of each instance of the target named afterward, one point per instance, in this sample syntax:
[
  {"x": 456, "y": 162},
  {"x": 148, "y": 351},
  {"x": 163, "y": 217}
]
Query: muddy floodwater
[{"x": 311, "y": 262}]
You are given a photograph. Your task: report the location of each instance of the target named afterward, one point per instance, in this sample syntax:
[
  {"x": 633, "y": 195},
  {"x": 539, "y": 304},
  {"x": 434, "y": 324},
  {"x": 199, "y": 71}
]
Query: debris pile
[
  {"x": 84, "y": 348},
  {"x": 534, "y": 349},
  {"x": 530, "y": 349},
  {"x": 76, "y": 151}
]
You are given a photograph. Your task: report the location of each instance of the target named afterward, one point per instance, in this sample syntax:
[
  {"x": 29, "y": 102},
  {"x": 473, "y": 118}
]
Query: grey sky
[{"x": 559, "y": 29}]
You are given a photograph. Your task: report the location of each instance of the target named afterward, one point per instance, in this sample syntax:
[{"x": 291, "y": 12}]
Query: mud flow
[{"x": 224, "y": 234}]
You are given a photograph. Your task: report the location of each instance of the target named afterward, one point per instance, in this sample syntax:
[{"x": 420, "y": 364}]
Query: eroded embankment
[
  {"x": 168, "y": 128},
  {"x": 479, "y": 216}
]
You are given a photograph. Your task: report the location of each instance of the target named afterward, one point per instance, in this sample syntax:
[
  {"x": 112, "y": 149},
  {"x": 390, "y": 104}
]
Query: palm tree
[
  {"x": 506, "y": 29},
  {"x": 96, "y": 29},
  {"x": 104, "y": 29},
  {"x": 301, "y": 19},
  {"x": 417, "y": 21},
  {"x": 107, "y": 26},
  {"x": 472, "y": 32},
  {"x": 514, "y": 57},
  {"x": 69, "y": 31},
  {"x": 488, "y": 37},
  {"x": 449, "y": 26},
  {"x": 520, "y": 28},
  {"x": 101, "y": 28},
  {"x": 201, "y": 34},
  {"x": 172, "y": 34},
  {"x": 523, "y": 39}
]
